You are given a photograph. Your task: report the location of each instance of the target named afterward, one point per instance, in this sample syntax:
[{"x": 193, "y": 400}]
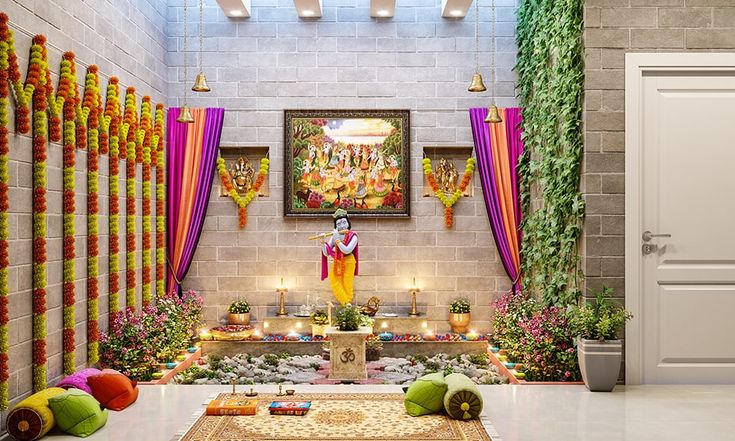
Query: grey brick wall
[
  {"x": 612, "y": 28},
  {"x": 125, "y": 39},
  {"x": 273, "y": 61}
]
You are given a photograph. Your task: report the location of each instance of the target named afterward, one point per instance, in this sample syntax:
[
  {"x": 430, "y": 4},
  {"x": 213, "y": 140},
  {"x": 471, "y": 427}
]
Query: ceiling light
[
  {"x": 455, "y": 8},
  {"x": 235, "y": 8},
  {"x": 382, "y": 8},
  {"x": 308, "y": 8}
]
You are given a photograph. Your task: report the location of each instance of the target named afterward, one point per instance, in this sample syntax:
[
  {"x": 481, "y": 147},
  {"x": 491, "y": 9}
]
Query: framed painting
[{"x": 358, "y": 160}]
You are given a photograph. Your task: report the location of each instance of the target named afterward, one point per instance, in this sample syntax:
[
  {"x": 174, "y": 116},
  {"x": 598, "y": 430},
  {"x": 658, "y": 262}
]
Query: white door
[{"x": 685, "y": 232}]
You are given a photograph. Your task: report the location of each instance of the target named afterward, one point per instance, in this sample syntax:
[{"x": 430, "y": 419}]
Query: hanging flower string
[
  {"x": 131, "y": 120},
  {"x": 68, "y": 98},
  {"x": 160, "y": 209},
  {"x": 449, "y": 200},
  {"x": 242, "y": 202},
  {"x": 6, "y": 47},
  {"x": 92, "y": 107},
  {"x": 112, "y": 113},
  {"x": 146, "y": 127}
]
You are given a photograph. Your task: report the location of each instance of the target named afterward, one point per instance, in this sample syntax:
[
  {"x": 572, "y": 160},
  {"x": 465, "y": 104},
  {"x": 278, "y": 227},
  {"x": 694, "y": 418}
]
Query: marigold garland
[
  {"x": 147, "y": 129},
  {"x": 5, "y": 47},
  {"x": 112, "y": 113},
  {"x": 242, "y": 202},
  {"x": 449, "y": 201},
  {"x": 92, "y": 108},
  {"x": 160, "y": 209},
  {"x": 130, "y": 154},
  {"x": 67, "y": 97}
]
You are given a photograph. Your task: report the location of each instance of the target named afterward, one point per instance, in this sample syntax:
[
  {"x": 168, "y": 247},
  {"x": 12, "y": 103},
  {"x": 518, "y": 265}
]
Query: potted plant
[
  {"x": 373, "y": 348},
  {"x": 599, "y": 350},
  {"x": 239, "y": 313},
  {"x": 349, "y": 318},
  {"x": 319, "y": 322},
  {"x": 459, "y": 316}
]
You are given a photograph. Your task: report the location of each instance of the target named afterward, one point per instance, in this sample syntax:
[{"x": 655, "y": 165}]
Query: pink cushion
[{"x": 78, "y": 380}]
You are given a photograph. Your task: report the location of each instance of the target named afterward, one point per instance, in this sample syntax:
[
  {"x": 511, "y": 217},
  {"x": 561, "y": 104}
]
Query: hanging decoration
[
  {"x": 493, "y": 117},
  {"x": 112, "y": 114},
  {"x": 157, "y": 157},
  {"x": 242, "y": 201},
  {"x": 68, "y": 98},
  {"x": 131, "y": 119},
  {"x": 146, "y": 124},
  {"x": 185, "y": 115},
  {"x": 6, "y": 47},
  {"x": 477, "y": 85},
  {"x": 449, "y": 199},
  {"x": 92, "y": 108},
  {"x": 200, "y": 83}
]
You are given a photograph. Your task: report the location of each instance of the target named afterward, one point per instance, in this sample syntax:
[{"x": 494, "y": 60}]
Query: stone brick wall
[
  {"x": 612, "y": 28},
  {"x": 123, "y": 39},
  {"x": 273, "y": 61}
]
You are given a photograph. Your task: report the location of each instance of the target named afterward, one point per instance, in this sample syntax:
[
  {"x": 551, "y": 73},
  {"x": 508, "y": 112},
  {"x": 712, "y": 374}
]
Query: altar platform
[{"x": 395, "y": 324}]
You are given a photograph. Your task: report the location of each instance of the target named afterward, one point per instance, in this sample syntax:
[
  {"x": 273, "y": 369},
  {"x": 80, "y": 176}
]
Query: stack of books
[
  {"x": 232, "y": 406},
  {"x": 298, "y": 408}
]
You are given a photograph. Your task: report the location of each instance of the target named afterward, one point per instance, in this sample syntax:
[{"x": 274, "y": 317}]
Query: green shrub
[
  {"x": 239, "y": 307},
  {"x": 459, "y": 306},
  {"x": 349, "y": 318},
  {"x": 600, "y": 319}
]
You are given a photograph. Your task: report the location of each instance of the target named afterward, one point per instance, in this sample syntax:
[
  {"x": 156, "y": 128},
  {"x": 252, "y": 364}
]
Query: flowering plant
[
  {"x": 459, "y": 306},
  {"x": 239, "y": 307}
]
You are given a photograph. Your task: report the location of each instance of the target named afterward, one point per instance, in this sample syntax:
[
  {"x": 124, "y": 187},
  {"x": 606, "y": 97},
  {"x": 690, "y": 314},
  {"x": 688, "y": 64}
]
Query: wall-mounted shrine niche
[
  {"x": 448, "y": 163},
  {"x": 243, "y": 164}
]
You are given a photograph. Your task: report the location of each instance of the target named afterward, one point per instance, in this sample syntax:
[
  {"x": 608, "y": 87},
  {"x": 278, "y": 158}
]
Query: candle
[
  {"x": 385, "y": 336},
  {"x": 204, "y": 334},
  {"x": 429, "y": 335},
  {"x": 191, "y": 349},
  {"x": 472, "y": 336},
  {"x": 293, "y": 336},
  {"x": 170, "y": 365}
]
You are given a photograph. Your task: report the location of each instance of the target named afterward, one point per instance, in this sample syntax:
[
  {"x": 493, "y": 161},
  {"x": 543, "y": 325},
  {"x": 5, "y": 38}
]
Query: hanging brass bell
[
  {"x": 493, "y": 117},
  {"x": 477, "y": 85},
  {"x": 185, "y": 115},
  {"x": 200, "y": 83}
]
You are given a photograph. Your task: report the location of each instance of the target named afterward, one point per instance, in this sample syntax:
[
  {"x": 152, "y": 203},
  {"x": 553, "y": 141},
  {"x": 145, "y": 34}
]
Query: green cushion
[
  {"x": 462, "y": 400},
  {"x": 78, "y": 413},
  {"x": 425, "y": 395}
]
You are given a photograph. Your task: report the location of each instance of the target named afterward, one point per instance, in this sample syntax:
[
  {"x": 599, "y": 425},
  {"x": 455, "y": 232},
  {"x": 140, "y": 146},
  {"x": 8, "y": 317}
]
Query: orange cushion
[{"x": 113, "y": 390}]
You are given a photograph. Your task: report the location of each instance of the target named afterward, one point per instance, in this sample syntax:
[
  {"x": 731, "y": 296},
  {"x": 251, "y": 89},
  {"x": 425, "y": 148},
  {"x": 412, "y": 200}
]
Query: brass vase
[
  {"x": 239, "y": 319},
  {"x": 460, "y": 322}
]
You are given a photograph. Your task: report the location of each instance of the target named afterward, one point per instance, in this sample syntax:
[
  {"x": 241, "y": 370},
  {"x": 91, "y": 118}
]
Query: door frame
[{"x": 637, "y": 65}]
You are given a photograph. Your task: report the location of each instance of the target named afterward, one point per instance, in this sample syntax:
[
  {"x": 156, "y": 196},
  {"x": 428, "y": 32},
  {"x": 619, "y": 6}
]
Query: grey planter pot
[{"x": 599, "y": 362}]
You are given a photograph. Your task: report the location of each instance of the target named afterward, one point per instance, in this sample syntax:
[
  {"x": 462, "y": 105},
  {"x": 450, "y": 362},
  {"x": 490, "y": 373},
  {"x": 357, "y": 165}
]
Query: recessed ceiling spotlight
[
  {"x": 383, "y": 12},
  {"x": 235, "y": 8},
  {"x": 455, "y": 12},
  {"x": 235, "y": 13},
  {"x": 382, "y": 8},
  {"x": 307, "y": 12},
  {"x": 308, "y": 8},
  {"x": 455, "y": 8}
]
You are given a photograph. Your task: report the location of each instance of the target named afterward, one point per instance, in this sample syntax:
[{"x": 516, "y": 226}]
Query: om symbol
[{"x": 347, "y": 356}]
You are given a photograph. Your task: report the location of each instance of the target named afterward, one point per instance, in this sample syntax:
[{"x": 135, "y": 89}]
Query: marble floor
[{"x": 518, "y": 413}]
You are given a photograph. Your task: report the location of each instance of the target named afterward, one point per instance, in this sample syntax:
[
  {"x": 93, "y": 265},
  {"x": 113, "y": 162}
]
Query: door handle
[{"x": 647, "y": 235}]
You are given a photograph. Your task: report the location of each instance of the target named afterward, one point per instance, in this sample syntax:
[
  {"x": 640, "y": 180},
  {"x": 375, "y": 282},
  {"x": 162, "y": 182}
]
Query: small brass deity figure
[
  {"x": 446, "y": 176},
  {"x": 242, "y": 174}
]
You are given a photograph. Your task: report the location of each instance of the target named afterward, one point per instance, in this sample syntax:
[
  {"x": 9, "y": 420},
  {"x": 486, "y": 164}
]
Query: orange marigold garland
[
  {"x": 67, "y": 98},
  {"x": 449, "y": 200},
  {"x": 131, "y": 132},
  {"x": 5, "y": 49},
  {"x": 242, "y": 202},
  {"x": 146, "y": 125},
  {"x": 160, "y": 197},
  {"x": 92, "y": 107},
  {"x": 112, "y": 114}
]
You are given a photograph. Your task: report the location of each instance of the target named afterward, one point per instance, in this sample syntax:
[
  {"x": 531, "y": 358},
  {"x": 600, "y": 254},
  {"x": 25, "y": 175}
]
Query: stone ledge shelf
[{"x": 396, "y": 325}]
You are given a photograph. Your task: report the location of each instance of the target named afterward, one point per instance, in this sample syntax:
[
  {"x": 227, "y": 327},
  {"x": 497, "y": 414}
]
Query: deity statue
[
  {"x": 447, "y": 176},
  {"x": 242, "y": 174},
  {"x": 342, "y": 246}
]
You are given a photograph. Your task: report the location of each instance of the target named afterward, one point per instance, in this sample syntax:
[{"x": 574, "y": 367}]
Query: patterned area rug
[{"x": 336, "y": 417}]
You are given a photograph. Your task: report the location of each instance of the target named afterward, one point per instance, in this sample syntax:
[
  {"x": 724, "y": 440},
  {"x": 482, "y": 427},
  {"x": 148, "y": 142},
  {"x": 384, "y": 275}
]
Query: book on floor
[
  {"x": 232, "y": 406},
  {"x": 289, "y": 407}
]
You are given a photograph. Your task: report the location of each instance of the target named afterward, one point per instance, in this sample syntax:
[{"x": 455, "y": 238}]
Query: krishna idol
[{"x": 342, "y": 247}]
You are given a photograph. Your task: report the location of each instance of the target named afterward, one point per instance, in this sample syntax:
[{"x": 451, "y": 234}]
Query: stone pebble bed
[{"x": 312, "y": 369}]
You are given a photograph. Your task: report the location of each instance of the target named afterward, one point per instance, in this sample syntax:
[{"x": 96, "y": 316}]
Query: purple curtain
[
  {"x": 497, "y": 165},
  {"x": 178, "y": 134}
]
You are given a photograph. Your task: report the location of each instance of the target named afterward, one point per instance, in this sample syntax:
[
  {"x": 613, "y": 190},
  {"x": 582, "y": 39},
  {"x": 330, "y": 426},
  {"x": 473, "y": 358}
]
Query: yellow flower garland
[{"x": 242, "y": 201}]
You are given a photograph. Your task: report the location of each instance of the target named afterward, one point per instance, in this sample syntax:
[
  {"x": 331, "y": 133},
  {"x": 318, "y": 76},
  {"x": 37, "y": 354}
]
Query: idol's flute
[{"x": 323, "y": 235}]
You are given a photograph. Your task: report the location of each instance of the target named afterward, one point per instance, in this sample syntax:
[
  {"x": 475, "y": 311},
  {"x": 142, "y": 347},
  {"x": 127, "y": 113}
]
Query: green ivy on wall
[{"x": 550, "y": 70}]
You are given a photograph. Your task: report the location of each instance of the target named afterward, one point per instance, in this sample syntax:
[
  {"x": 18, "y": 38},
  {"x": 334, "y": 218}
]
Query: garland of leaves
[
  {"x": 242, "y": 202},
  {"x": 112, "y": 114},
  {"x": 5, "y": 37},
  {"x": 550, "y": 82},
  {"x": 68, "y": 93},
  {"x": 129, "y": 154},
  {"x": 452, "y": 199},
  {"x": 92, "y": 107},
  {"x": 147, "y": 129},
  {"x": 160, "y": 209}
]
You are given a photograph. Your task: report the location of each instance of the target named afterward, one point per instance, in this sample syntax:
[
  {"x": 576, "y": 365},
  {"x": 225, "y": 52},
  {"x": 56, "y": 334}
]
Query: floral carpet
[{"x": 336, "y": 417}]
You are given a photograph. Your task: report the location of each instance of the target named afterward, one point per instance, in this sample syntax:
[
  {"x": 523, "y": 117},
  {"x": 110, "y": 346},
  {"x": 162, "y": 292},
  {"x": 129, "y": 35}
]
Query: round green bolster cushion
[{"x": 462, "y": 400}]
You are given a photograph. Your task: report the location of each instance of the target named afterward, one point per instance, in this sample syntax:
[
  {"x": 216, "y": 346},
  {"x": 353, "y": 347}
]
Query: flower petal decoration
[
  {"x": 449, "y": 200},
  {"x": 242, "y": 201}
]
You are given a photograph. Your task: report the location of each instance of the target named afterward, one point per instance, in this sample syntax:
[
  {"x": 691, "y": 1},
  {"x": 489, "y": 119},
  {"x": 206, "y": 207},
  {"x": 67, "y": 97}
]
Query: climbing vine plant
[{"x": 550, "y": 84}]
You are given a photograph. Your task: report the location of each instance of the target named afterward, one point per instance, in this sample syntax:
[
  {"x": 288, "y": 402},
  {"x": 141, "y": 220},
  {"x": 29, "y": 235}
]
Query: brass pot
[
  {"x": 459, "y": 322},
  {"x": 319, "y": 330},
  {"x": 238, "y": 319}
]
